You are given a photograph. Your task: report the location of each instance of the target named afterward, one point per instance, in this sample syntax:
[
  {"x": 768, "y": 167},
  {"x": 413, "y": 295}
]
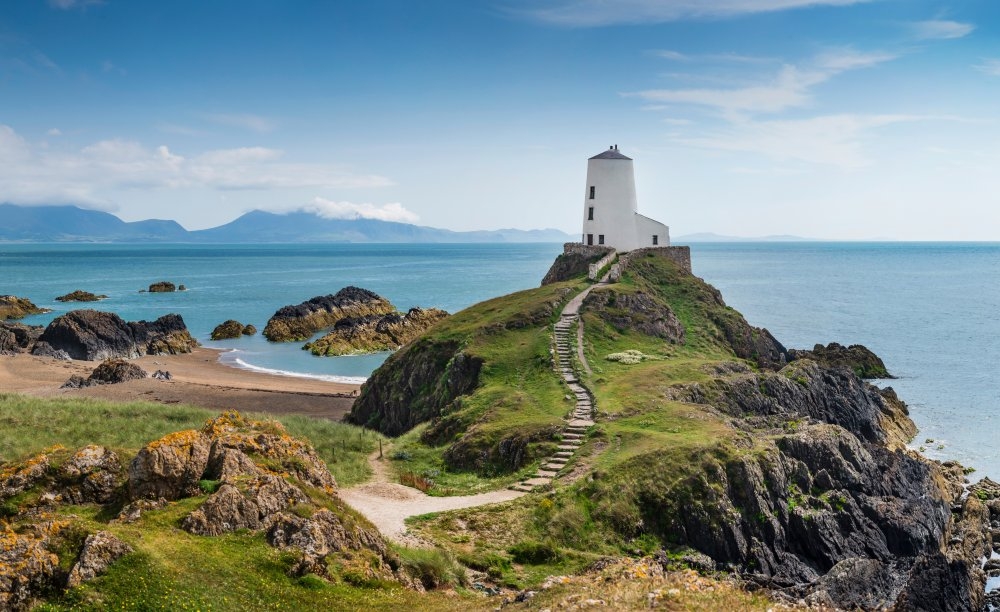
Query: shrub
[
  {"x": 416, "y": 481},
  {"x": 629, "y": 357},
  {"x": 534, "y": 553},
  {"x": 433, "y": 567}
]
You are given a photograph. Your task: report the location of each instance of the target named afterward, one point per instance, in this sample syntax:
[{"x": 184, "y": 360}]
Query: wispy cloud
[
  {"x": 940, "y": 29},
  {"x": 596, "y": 13},
  {"x": 990, "y": 66},
  {"x": 735, "y": 58},
  {"x": 247, "y": 121},
  {"x": 834, "y": 140},
  {"x": 35, "y": 174},
  {"x": 54, "y": 132},
  {"x": 74, "y": 4},
  {"x": 790, "y": 88},
  {"x": 330, "y": 209}
]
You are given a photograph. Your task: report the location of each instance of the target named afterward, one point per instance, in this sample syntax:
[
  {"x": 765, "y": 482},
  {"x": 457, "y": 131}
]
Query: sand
[{"x": 198, "y": 379}]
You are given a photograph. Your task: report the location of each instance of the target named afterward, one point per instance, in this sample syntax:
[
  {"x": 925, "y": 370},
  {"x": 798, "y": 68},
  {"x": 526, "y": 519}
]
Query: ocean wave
[{"x": 239, "y": 363}]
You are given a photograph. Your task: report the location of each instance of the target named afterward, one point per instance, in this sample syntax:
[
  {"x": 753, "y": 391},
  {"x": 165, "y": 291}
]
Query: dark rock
[
  {"x": 100, "y": 550},
  {"x": 114, "y": 371},
  {"x": 181, "y": 288},
  {"x": 80, "y": 296},
  {"x": 161, "y": 375},
  {"x": 44, "y": 349},
  {"x": 94, "y": 335},
  {"x": 638, "y": 312},
  {"x": 15, "y": 337},
  {"x": 253, "y": 507},
  {"x": 162, "y": 287},
  {"x": 13, "y": 307},
  {"x": 857, "y": 358},
  {"x": 249, "y": 330},
  {"x": 169, "y": 467},
  {"x": 574, "y": 262},
  {"x": 227, "y": 330},
  {"x": 78, "y": 382},
  {"x": 300, "y": 322},
  {"x": 375, "y": 333}
]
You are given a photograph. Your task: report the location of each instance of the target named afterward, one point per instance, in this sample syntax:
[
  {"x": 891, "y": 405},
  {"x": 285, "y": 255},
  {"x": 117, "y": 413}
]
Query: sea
[{"x": 930, "y": 310}]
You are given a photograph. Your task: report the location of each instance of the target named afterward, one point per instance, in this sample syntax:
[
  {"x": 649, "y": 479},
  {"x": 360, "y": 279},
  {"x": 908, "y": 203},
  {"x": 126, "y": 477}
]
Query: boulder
[
  {"x": 371, "y": 334},
  {"x": 161, "y": 375},
  {"x": 252, "y": 505},
  {"x": 15, "y": 337},
  {"x": 13, "y": 307},
  {"x": 228, "y": 330},
  {"x": 162, "y": 287},
  {"x": 80, "y": 296},
  {"x": 100, "y": 550},
  {"x": 249, "y": 330},
  {"x": 94, "y": 335},
  {"x": 169, "y": 467},
  {"x": 26, "y": 568},
  {"x": 113, "y": 371},
  {"x": 299, "y": 322},
  {"x": 20, "y": 477},
  {"x": 92, "y": 474}
]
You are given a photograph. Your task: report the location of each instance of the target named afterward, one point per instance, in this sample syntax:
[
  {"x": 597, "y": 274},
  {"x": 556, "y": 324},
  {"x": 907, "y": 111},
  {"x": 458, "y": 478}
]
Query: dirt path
[{"x": 387, "y": 504}]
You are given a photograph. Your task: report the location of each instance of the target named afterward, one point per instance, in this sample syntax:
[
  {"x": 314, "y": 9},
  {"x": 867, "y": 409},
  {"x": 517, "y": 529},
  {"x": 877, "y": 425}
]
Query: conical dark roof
[{"x": 610, "y": 154}]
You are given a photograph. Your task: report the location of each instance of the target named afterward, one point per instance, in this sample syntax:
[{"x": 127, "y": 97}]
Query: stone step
[
  {"x": 568, "y": 447},
  {"x": 521, "y": 487},
  {"x": 571, "y": 436},
  {"x": 554, "y": 466},
  {"x": 536, "y": 482},
  {"x": 564, "y": 454},
  {"x": 582, "y": 423},
  {"x": 546, "y": 474}
]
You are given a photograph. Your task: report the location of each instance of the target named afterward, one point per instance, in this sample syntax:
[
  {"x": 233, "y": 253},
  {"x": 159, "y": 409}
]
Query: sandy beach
[{"x": 197, "y": 379}]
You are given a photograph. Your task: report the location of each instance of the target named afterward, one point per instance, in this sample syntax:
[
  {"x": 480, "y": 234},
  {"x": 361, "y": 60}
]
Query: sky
[{"x": 830, "y": 119}]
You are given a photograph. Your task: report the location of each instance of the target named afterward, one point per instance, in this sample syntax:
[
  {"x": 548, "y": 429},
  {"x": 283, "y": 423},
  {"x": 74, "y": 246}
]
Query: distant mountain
[
  {"x": 710, "y": 237},
  {"x": 74, "y": 224}
]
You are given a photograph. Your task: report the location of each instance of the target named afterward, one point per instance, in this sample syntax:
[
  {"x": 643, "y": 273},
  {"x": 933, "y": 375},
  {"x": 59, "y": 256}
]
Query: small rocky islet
[
  {"x": 13, "y": 307},
  {"x": 80, "y": 296},
  {"x": 359, "y": 320},
  {"x": 229, "y": 329}
]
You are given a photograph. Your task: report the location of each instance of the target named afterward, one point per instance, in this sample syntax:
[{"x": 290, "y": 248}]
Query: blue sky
[{"x": 827, "y": 119}]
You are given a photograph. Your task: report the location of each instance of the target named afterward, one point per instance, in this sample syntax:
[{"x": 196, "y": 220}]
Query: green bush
[
  {"x": 433, "y": 567},
  {"x": 534, "y": 553}
]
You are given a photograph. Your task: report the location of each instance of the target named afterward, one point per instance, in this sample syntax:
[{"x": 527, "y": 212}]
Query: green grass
[{"x": 31, "y": 424}]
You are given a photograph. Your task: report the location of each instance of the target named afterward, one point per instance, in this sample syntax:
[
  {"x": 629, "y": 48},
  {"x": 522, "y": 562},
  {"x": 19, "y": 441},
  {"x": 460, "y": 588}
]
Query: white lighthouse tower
[{"x": 610, "y": 213}]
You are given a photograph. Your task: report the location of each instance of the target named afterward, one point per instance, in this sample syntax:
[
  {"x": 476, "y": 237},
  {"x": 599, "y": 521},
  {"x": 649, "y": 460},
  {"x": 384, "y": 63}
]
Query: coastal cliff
[{"x": 784, "y": 468}]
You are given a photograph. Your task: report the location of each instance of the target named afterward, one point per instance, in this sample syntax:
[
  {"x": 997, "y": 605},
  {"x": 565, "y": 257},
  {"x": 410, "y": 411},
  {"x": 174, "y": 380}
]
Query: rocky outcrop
[
  {"x": 13, "y": 307},
  {"x": 162, "y": 287},
  {"x": 80, "y": 296},
  {"x": 300, "y": 322},
  {"x": 100, "y": 550},
  {"x": 27, "y": 567},
  {"x": 574, "y": 262},
  {"x": 227, "y": 330},
  {"x": 92, "y": 475},
  {"x": 110, "y": 372},
  {"x": 94, "y": 335},
  {"x": 856, "y": 358},
  {"x": 169, "y": 467},
  {"x": 636, "y": 311},
  {"x": 415, "y": 385},
  {"x": 250, "y": 329},
  {"x": 371, "y": 334},
  {"x": 17, "y": 337}
]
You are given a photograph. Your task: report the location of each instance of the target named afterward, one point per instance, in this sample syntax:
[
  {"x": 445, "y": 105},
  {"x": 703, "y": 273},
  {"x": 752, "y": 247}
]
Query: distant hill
[
  {"x": 710, "y": 237},
  {"x": 74, "y": 224}
]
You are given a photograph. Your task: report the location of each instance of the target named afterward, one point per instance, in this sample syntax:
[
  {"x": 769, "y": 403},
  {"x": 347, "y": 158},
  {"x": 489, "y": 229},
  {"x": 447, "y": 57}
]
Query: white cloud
[
  {"x": 254, "y": 123},
  {"x": 833, "y": 140},
  {"x": 940, "y": 29},
  {"x": 990, "y": 66},
  {"x": 36, "y": 174},
  {"x": 330, "y": 209},
  {"x": 54, "y": 132},
  {"x": 595, "y": 13},
  {"x": 790, "y": 88}
]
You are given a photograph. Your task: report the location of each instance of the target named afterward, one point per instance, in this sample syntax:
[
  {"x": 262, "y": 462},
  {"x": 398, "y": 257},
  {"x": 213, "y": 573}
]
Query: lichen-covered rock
[
  {"x": 21, "y": 476},
  {"x": 92, "y": 474},
  {"x": 162, "y": 287},
  {"x": 856, "y": 357},
  {"x": 251, "y": 505},
  {"x": 93, "y": 335},
  {"x": 636, "y": 311},
  {"x": 27, "y": 567},
  {"x": 299, "y": 322},
  {"x": 356, "y": 335},
  {"x": 99, "y": 551},
  {"x": 132, "y": 511},
  {"x": 80, "y": 296},
  {"x": 228, "y": 330},
  {"x": 169, "y": 467},
  {"x": 13, "y": 307}
]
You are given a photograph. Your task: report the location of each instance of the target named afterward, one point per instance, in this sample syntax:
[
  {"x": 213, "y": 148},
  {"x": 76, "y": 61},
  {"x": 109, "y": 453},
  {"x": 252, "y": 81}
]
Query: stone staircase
[{"x": 582, "y": 417}]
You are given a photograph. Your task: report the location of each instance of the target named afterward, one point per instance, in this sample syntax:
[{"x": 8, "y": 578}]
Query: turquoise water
[
  {"x": 250, "y": 282},
  {"x": 929, "y": 310}
]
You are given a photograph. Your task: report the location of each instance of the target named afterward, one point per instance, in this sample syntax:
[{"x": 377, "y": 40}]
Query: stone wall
[
  {"x": 595, "y": 268},
  {"x": 680, "y": 255}
]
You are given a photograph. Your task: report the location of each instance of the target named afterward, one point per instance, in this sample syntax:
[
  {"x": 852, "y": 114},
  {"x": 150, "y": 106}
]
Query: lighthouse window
[
  {"x": 656, "y": 240},
  {"x": 590, "y": 214},
  {"x": 600, "y": 239},
  {"x": 592, "y": 189}
]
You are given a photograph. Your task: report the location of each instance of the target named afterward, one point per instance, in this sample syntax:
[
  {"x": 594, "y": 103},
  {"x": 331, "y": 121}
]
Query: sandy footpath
[{"x": 197, "y": 379}]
